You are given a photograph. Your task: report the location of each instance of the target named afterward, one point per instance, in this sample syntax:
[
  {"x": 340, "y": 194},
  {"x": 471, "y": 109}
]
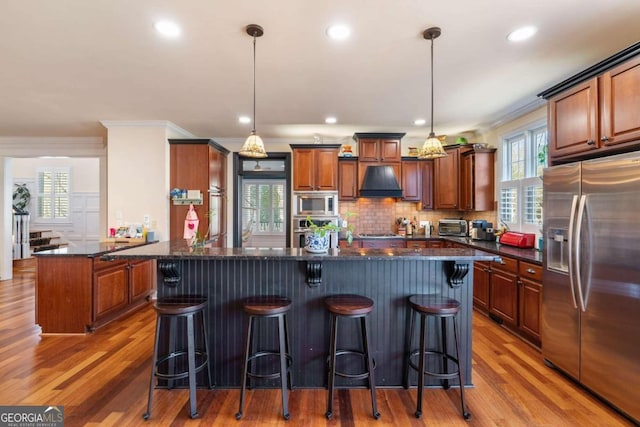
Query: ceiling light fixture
[
  {"x": 253, "y": 146},
  {"x": 245, "y": 120},
  {"x": 167, "y": 28},
  {"x": 419, "y": 122},
  {"x": 338, "y": 32},
  {"x": 521, "y": 34},
  {"x": 432, "y": 147},
  {"x": 330, "y": 120}
]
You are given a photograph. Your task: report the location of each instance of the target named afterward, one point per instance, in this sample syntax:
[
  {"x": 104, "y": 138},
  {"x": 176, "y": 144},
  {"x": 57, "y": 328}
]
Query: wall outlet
[
  {"x": 424, "y": 224},
  {"x": 146, "y": 220}
]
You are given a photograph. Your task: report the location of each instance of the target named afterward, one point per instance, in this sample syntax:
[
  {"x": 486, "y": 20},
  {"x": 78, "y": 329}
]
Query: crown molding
[
  {"x": 175, "y": 131},
  {"x": 515, "y": 114},
  {"x": 29, "y": 146}
]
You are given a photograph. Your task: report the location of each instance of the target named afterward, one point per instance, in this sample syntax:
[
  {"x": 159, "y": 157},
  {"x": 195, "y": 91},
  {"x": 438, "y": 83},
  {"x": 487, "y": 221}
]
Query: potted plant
[{"x": 317, "y": 236}]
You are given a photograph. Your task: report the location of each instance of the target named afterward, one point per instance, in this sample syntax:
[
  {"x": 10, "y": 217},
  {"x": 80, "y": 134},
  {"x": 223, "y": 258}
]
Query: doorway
[{"x": 261, "y": 213}]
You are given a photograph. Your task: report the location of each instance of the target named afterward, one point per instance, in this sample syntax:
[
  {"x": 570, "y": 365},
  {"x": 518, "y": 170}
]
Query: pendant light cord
[
  {"x": 431, "y": 85},
  {"x": 254, "y": 82}
]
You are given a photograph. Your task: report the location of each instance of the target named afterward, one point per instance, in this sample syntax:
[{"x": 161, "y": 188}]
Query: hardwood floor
[{"x": 102, "y": 379}]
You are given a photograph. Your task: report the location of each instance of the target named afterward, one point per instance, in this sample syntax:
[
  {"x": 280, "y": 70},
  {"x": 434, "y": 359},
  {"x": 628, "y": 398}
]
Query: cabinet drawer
[
  {"x": 99, "y": 264},
  {"x": 416, "y": 244},
  {"x": 530, "y": 271},
  {"x": 506, "y": 264},
  {"x": 383, "y": 243}
]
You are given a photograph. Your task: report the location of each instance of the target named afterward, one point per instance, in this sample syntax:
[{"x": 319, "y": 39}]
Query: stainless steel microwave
[{"x": 322, "y": 203}]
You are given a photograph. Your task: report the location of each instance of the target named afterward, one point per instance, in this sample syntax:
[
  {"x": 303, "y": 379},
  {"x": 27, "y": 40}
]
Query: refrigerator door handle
[
  {"x": 583, "y": 201},
  {"x": 572, "y": 219}
]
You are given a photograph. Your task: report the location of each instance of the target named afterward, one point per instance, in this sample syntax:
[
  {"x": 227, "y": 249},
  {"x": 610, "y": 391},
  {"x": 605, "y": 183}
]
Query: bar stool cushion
[
  {"x": 349, "y": 305},
  {"x": 180, "y": 305},
  {"x": 434, "y": 304},
  {"x": 266, "y": 305}
]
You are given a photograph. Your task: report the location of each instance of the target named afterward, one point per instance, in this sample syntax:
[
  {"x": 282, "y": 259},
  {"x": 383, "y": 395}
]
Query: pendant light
[
  {"x": 432, "y": 147},
  {"x": 253, "y": 146}
]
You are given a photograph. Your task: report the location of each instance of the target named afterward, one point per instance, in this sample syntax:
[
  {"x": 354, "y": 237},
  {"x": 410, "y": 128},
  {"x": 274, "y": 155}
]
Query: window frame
[
  {"x": 530, "y": 179},
  {"x": 54, "y": 195}
]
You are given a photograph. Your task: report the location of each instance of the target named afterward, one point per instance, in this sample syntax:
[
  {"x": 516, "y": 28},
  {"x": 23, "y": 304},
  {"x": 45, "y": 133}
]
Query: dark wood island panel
[{"x": 388, "y": 276}]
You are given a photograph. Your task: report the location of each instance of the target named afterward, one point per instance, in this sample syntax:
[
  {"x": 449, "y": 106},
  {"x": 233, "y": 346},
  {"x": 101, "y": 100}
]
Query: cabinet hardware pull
[
  {"x": 531, "y": 271},
  {"x": 604, "y": 138},
  {"x": 591, "y": 142}
]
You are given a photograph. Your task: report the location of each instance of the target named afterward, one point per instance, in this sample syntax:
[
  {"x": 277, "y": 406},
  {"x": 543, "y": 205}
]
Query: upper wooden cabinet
[
  {"x": 595, "y": 112},
  {"x": 347, "y": 178},
  {"x": 379, "y": 147},
  {"x": 199, "y": 164},
  {"x": 477, "y": 187},
  {"x": 573, "y": 120},
  {"x": 426, "y": 184},
  {"x": 446, "y": 184},
  {"x": 411, "y": 180},
  {"x": 315, "y": 167}
]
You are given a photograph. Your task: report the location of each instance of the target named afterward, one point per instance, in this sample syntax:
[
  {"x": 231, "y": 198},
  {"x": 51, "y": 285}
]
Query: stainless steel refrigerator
[{"x": 591, "y": 276}]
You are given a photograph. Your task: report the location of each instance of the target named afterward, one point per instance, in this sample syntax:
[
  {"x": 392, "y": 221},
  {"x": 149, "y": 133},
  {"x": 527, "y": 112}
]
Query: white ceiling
[{"x": 65, "y": 65}]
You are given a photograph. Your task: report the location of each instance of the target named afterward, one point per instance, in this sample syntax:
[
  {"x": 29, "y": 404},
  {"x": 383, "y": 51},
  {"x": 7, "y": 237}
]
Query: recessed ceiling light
[
  {"x": 419, "y": 122},
  {"x": 330, "y": 120},
  {"x": 167, "y": 28},
  {"x": 521, "y": 34},
  {"x": 244, "y": 120},
  {"x": 338, "y": 32}
]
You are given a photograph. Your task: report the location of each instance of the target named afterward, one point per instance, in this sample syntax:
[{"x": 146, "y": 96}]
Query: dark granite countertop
[
  {"x": 180, "y": 250},
  {"x": 90, "y": 249},
  {"x": 528, "y": 255}
]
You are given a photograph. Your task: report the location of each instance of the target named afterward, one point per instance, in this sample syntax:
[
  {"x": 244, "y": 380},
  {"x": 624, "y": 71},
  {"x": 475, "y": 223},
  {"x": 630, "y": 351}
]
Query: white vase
[{"x": 315, "y": 243}]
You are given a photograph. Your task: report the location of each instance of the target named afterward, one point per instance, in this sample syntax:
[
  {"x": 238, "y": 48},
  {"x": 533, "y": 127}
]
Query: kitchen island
[
  {"x": 389, "y": 276},
  {"x": 77, "y": 292}
]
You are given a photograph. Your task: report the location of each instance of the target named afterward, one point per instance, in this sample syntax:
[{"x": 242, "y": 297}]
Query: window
[
  {"x": 520, "y": 190},
  {"x": 54, "y": 185},
  {"x": 263, "y": 210}
]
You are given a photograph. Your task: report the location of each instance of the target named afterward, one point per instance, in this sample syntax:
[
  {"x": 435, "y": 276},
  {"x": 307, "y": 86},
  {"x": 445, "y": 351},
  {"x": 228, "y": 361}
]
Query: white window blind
[
  {"x": 520, "y": 190},
  {"x": 54, "y": 188},
  {"x": 264, "y": 206}
]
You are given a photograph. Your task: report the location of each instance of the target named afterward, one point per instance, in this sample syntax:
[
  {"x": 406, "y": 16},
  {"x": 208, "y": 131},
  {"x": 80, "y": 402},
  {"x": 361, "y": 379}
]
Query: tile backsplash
[{"x": 379, "y": 215}]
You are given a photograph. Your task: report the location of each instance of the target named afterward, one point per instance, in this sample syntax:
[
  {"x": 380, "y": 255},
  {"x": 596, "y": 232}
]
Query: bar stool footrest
[
  {"x": 268, "y": 353},
  {"x": 353, "y": 376},
  {"x": 440, "y": 354},
  {"x": 202, "y": 355}
]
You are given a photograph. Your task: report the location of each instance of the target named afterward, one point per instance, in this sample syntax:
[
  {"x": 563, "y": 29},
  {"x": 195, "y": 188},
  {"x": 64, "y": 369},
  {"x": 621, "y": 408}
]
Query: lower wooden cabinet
[
  {"x": 76, "y": 294},
  {"x": 383, "y": 243},
  {"x": 510, "y": 291}
]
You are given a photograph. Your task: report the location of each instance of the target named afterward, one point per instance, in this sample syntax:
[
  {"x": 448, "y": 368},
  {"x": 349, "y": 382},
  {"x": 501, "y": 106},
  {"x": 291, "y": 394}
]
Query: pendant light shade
[
  {"x": 432, "y": 147},
  {"x": 253, "y": 146}
]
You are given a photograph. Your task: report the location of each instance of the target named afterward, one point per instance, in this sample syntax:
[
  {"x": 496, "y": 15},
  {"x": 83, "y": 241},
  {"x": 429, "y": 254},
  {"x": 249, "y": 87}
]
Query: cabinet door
[
  {"x": 621, "y": 103},
  {"x": 411, "y": 181},
  {"x": 304, "y": 169},
  {"x": 530, "y": 306},
  {"x": 435, "y": 243},
  {"x": 110, "y": 291},
  {"x": 573, "y": 120},
  {"x": 426, "y": 198},
  {"x": 354, "y": 244},
  {"x": 483, "y": 184},
  {"x": 347, "y": 179},
  {"x": 503, "y": 296},
  {"x": 481, "y": 278},
  {"x": 368, "y": 150},
  {"x": 326, "y": 167},
  {"x": 140, "y": 279},
  {"x": 389, "y": 150},
  {"x": 467, "y": 182},
  {"x": 446, "y": 186}
]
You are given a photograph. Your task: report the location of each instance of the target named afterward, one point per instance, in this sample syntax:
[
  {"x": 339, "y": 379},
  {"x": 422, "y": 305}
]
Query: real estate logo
[{"x": 32, "y": 416}]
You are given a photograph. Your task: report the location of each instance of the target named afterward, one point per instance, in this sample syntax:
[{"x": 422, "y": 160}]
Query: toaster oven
[{"x": 452, "y": 227}]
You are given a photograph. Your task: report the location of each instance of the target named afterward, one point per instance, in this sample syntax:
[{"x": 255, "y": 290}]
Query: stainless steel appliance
[
  {"x": 452, "y": 227},
  {"x": 300, "y": 227},
  {"x": 481, "y": 230},
  {"x": 316, "y": 203},
  {"x": 591, "y": 276}
]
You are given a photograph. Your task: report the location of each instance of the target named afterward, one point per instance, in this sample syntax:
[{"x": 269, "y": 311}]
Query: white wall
[{"x": 85, "y": 176}]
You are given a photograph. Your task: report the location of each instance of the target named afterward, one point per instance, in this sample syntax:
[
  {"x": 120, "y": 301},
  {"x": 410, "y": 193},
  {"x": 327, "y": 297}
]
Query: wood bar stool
[
  {"x": 442, "y": 308},
  {"x": 265, "y": 307},
  {"x": 355, "y": 307},
  {"x": 171, "y": 366}
]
